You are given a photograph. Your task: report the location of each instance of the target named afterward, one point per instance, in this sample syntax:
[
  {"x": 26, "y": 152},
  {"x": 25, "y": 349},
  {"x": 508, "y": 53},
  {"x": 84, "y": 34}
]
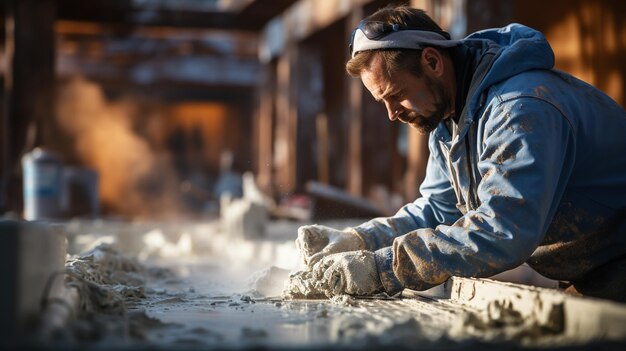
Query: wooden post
[
  {"x": 417, "y": 159},
  {"x": 323, "y": 164},
  {"x": 355, "y": 112},
  {"x": 29, "y": 89},
  {"x": 286, "y": 123},
  {"x": 266, "y": 112},
  {"x": 309, "y": 85}
]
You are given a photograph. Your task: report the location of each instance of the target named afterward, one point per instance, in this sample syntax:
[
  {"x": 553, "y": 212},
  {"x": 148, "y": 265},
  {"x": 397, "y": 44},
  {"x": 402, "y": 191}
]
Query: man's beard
[{"x": 428, "y": 123}]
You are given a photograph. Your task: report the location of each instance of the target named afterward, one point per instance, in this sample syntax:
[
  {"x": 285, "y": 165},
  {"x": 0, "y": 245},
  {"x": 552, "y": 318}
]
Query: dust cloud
[{"x": 134, "y": 180}]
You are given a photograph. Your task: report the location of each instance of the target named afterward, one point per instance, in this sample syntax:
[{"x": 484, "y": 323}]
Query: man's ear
[{"x": 432, "y": 60}]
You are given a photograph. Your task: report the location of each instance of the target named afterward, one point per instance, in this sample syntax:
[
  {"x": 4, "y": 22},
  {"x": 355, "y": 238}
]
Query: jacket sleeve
[
  {"x": 437, "y": 205},
  {"x": 526, "y": 146}
]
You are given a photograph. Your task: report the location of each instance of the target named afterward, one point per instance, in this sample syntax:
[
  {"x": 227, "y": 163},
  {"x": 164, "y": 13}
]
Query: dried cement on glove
[
  {"x": 317, "y": 241},
  {"x": 348, "y": 276},
  {"x": 312, "y": 239}
]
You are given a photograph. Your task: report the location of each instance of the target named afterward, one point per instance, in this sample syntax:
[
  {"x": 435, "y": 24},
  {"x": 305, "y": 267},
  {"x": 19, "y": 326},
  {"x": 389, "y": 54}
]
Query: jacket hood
[
  {"x": 518, "y": 49},
  {"x": 501, "y": 53}
]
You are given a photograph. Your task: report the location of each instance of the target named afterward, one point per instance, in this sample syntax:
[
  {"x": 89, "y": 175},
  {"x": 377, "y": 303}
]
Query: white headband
[{"x": 402, "y": 39}]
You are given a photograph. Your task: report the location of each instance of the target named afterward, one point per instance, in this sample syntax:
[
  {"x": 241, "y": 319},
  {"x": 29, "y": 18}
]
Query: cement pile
[
  {"x": 104, "y": 279},
  {"x": 107, "y": 281}
]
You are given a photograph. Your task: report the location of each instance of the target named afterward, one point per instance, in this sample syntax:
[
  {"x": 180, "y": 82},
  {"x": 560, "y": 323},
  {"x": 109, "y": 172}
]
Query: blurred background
[{"x": 155, "y": 108}]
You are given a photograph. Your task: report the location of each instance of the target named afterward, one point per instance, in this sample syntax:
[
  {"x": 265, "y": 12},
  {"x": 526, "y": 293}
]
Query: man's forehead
[
  {"x": 377, "y": 86},
  {"x": 376, "y": 65},
  {"x": 375, "y": 78}
]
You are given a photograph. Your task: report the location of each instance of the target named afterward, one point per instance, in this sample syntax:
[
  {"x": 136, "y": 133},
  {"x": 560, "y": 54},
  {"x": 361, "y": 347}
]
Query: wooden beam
[
  {"x": 205, "y": 70},
  {"x": 199, "y": 14},
  {"x": 264, "y": 10},
  {"x": 29, "y": 88},
  {"x": 240, "y": 43},
  {"x": 126, "y": 14},
  {"x": 148, "y": 55},
  {"x": 303, "y": 18}
]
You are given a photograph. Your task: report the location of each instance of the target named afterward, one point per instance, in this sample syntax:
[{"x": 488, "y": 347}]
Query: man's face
[{"x": 422, "y": 102}]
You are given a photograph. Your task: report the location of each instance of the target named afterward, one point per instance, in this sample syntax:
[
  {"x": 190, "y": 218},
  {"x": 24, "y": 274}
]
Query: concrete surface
[{"x": 191, "y": 288}]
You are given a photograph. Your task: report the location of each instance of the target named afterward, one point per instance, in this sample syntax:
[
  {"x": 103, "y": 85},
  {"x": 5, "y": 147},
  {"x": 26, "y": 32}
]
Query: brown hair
[{"x": 394, "y": 60}]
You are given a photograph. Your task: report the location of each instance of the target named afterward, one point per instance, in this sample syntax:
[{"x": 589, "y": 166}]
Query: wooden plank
[{"x": 329, "y": 202}]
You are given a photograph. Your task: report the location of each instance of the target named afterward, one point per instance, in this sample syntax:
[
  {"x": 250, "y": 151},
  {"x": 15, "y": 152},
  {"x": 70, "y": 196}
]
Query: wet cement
[{"x": 199, "y": 289}]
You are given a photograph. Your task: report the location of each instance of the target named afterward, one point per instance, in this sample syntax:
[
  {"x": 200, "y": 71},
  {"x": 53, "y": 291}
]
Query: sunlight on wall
[{"x": 588, "y": 44}]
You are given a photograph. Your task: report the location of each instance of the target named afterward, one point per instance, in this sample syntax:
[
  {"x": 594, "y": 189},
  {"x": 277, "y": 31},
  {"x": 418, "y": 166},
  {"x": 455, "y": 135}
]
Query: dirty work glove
[
  {"x": 352, "y": 273},
  {"x": 316, "y": 241}
]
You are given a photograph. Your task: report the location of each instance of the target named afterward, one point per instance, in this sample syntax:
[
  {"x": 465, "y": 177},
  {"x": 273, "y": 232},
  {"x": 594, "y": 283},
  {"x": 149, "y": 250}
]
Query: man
[{"x": 528, "y": 164}]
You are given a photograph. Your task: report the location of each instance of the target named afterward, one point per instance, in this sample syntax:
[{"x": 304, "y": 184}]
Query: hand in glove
[
  {"x": 352, "y": 273},
  {"x": 317, "y": 241}
]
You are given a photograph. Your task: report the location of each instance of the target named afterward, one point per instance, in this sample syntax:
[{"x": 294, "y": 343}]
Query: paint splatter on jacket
[{"x": 535, "y": 171}]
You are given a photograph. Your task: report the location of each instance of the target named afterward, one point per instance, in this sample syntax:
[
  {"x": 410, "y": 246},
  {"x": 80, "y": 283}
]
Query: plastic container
[{"x": 43, "y": 184}]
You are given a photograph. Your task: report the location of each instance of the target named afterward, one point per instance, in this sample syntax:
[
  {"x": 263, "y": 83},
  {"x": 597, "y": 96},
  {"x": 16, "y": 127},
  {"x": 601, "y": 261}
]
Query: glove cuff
[{"x": 384, "y": 264}]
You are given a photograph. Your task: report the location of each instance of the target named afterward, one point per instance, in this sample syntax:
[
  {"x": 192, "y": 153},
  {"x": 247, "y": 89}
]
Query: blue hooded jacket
[{"x": 534, "y": 171}]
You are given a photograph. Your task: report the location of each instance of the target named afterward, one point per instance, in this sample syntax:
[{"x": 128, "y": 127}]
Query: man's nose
[{"x": 393, "y": 111}]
